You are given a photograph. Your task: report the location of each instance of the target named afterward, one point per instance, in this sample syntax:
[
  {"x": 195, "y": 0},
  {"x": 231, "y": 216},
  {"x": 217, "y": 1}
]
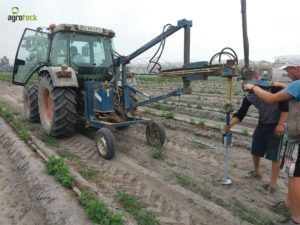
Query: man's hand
[
  {"x": 248, "y": 87},
  {"x": 278, "y": 84},
  {"x": 226, "y": 128},
  {"x": 279, "y": 130}
]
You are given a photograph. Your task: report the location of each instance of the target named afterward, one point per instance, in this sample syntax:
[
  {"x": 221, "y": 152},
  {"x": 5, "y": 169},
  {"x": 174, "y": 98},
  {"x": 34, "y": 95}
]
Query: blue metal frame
[
  {"x": 100, "y": 124},
  {"x": 120, "y": 67},
  {"x": 123, "y": 60},
  {"x": 177, "y": 92}
]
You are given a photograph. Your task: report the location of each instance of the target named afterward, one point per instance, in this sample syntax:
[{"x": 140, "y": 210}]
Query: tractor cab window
[
  {"x": 76, "y": 56},
  {"x": 59, "y": 49},
  {"x": 99, "y": 55},
  {"x": 31, "y": 55},
  {"x": 90, "y": 51}
]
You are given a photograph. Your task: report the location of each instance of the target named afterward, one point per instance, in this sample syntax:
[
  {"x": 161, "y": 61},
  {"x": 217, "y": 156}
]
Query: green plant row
[
  {"x": 60, "y": 170},
  {"x": 9, "y": 115},
  {"x": 97, "y": 211}
]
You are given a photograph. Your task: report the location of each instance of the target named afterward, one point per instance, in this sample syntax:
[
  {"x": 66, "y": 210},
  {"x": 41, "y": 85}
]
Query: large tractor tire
[
  {"x": 57, "y": 107},
  {"x": 30, "y": 101}
]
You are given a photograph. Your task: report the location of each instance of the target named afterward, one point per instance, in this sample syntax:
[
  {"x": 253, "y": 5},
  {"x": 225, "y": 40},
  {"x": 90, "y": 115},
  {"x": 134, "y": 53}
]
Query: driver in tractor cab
[{"x": 75, "y": 56}]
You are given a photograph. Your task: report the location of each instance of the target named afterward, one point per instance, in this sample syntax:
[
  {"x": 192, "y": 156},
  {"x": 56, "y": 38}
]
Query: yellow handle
[{"x": 229, "y": 90}]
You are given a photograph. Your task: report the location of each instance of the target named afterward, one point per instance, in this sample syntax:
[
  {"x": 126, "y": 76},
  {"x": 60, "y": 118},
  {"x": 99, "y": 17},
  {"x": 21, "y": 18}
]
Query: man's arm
[
  {"x": 278, "y": 85},
  {"x": 239, "y": 116},
  {"x": 279, "y": 130},
  {"x": 267, "y": 96}
]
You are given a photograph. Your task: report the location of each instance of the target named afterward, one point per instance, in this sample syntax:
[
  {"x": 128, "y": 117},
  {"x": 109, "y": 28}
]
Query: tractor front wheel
[
  {"x": 105, "y": 143},
  {"x": 57, "y": 107},
  {"x": 155, "y": 134},
  {"x": 30, "y": 101}
]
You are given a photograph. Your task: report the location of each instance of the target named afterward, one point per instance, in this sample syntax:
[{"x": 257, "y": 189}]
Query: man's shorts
[
  {"x": 265, "y": 143},
  {"x": 297, "y": 168},
  {"x": 290, "y": 162}
]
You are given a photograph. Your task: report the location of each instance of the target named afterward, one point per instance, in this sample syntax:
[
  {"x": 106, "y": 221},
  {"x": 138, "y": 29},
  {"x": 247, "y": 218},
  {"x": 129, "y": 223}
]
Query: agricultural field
[{"x": 176, "y": 184}]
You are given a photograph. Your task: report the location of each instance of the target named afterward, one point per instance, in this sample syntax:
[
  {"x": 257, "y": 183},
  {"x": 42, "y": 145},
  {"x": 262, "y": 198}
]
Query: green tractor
[{"x": 62, "y": 59}]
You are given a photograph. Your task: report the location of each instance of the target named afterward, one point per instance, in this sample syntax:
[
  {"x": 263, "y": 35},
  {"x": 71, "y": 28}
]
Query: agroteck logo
[{"x": 15, "y": 16}]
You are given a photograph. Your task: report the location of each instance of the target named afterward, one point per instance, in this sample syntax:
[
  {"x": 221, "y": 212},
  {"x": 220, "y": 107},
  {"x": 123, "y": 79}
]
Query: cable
[
  {"x": 159, "y": 51},
  {"x": 231, "y": 54}
]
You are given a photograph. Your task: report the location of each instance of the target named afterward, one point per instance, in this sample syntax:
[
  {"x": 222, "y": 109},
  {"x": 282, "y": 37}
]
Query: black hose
[
  {"x": 159, "y": 50},
  {"x": 232, "y": 55}
]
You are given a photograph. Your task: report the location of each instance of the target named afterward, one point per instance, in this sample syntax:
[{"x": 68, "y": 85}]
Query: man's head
[
  {"x": 73, "y": 51},
  {"x": 292, "y": 67},
  {"x": 254, "y": 75}
]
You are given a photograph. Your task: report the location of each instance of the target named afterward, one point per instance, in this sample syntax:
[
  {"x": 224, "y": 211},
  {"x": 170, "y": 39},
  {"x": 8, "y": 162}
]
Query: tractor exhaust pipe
[{"x": 245, "y": 73}]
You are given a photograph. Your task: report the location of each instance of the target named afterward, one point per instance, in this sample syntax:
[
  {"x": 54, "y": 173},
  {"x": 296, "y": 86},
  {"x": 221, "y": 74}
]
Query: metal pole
[
  {"x": 187, "y": 45},
  {"x": 227, "y": 136},
  {"x": 186, "y": 53}
]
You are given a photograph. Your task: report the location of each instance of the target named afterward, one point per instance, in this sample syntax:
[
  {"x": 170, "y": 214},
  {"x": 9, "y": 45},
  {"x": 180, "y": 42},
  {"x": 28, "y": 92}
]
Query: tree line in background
[{"x": 4, "y": 65}]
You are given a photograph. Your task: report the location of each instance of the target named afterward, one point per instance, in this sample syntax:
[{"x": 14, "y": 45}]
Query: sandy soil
[
  {"x": 16, "y": 206},
  {"x": 27, "y": 194}
]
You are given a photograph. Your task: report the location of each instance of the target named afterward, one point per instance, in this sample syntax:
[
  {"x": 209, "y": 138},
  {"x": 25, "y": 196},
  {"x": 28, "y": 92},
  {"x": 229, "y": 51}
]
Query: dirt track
[
  {"x": 133, "y": 170},
  {"x": 15, "y": 206},
  {"x": 28, "y": 195}
]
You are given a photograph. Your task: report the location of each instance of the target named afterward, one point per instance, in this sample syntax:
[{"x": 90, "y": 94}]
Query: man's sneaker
[
  {"x": 281, "y": 209},
  {"x": 269, "y": 188},
  {"x": 253, "y": 174}
]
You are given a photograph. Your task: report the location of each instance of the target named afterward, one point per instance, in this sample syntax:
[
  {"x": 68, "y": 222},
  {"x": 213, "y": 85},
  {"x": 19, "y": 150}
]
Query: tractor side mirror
[{"x": 20, "y": 62}]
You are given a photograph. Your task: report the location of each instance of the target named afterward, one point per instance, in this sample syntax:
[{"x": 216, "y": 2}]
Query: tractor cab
[{"x": 87, "y": 50}]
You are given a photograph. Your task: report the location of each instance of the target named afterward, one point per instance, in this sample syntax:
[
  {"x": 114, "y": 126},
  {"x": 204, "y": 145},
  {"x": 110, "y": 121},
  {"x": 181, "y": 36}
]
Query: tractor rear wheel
[
  {"x": 57, "y": 107},
  {"x": 155, "y": 134},
  {"x": 30, "y": 101},
  {"x": 105, "y": 143}
]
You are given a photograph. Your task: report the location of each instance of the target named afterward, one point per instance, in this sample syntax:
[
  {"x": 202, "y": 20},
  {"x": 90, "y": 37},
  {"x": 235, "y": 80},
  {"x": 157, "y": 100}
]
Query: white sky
[{"x": 273, "y": 25}]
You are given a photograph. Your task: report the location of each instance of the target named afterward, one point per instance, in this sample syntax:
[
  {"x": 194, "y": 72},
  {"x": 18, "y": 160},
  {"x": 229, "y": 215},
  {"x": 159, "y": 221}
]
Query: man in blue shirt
[{"x": 291, "y": 93}]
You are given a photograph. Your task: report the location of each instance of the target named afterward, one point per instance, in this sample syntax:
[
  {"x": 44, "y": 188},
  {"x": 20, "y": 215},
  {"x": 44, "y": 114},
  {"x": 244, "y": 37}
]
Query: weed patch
[
  {"x": 10, "y": 115},
  {"x": 168, "y": 114},
  {"x": 60, "y": 170},
  {"x": 97, "y": 211}
]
